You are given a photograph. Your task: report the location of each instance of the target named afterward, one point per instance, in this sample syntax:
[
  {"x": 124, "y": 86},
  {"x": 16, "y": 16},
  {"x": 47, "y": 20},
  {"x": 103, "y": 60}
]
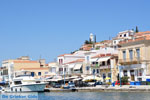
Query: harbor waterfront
[
  {"x": 74, "y": 50},
  {"x": 125, "y": 88},
  {"x": 84, "y": 96}
]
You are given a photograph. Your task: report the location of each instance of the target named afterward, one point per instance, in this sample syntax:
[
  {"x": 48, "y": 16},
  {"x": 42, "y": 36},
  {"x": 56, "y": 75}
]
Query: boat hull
[{"x": 27, "y": 88}]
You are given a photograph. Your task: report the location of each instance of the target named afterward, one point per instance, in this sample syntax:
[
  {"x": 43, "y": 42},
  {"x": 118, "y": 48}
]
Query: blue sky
[{"x": 53, "y": 27}]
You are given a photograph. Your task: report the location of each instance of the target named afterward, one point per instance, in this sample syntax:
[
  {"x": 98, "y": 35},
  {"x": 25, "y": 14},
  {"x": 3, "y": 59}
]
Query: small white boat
[
  {"x": 25, "y": 83},
  {"x": 2, "y": 89}
]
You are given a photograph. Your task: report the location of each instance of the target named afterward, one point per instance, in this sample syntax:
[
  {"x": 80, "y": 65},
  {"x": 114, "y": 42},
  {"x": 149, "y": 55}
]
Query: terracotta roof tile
[
  {"x": 146, "y": 37},
  {"x": 142, "y": 33},
  {"x": 102, "y": 55},
  {"x": 64, "y": 55},
  {"x": 75, "y": 61}
]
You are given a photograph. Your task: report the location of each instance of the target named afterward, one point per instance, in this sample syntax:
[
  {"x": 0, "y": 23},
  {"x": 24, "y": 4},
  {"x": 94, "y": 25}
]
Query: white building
[
  {"x": 62, "y": 60},
  {"x": 124, "y": 35}
]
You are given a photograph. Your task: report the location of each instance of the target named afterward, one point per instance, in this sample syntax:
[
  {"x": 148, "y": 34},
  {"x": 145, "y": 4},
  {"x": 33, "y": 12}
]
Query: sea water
[{"x": 76, "y": 96}]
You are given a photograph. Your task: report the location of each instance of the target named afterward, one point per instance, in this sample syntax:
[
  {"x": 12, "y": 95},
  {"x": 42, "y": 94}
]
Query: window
[
  {"x": 103, "y": 63},
  {"x": 114, "y": 42},
  {"x": 138, "y": 53},
  {"x": 104, "y": 76},
  {"x": 131, "y": 54},
  {"x": 39, "y": 73},
  {"x": 32, "y": 74},
  {"x": 140, "y": 72},
  {"x": 124, "y": 35},
  {"x": 93, "y": 63},
  {"x": 97, "y": 71},
  {"x": 87, "y": 58},
  {"x": 87, "y": 67},
  {"x": 60, "y": 61},
  {"x": 108, "y": 62},
  {"x": 65, "y": 69},
  {"x": 96, "y": 64},
  {"x": 125, "y": 72},
  {"x": 53, "y": 69},
  {"x": 17, "y": 82},
  {"x": 71, "y": 69},
  {"x": 131, "y": 72},
  {"x": 93, "y": 71},
  {"x": 109, "y": 75},
  {"x": 124, "y": 55}
]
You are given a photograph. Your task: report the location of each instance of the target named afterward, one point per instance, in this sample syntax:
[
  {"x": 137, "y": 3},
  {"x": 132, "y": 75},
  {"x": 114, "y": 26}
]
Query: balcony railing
[
  {"x": 105, "y": 67},
  {"x": 95, "y": 65},
  {"x": 129, "y": 61},
  {"x": 100, "y": 66}
]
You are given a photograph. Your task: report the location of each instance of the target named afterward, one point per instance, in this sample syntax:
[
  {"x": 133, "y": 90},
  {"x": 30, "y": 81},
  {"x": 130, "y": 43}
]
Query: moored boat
[{"x": 25, "y": 83}]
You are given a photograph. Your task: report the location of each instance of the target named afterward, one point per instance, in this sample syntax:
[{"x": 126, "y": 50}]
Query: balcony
[
  {"x": 95, "y": 65},
  {"x": 104, "y": 67},
  {"x": 129, "y": 61}
]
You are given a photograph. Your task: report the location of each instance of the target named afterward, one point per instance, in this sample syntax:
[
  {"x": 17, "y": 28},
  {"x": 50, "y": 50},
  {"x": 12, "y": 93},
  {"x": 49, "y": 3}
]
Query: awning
[
  {"x": 103, "y": 59},
  {"x": 92, "y": 78},
  {"x": 107, "y": 78},
  {"x": 77, "y": 66},
  {"x": 71, "y": 65},
  {"x": 93, "y": 59}
]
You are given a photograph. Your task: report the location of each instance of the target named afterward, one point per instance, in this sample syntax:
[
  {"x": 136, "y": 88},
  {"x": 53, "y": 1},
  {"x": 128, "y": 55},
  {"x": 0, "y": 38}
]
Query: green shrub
[{"x": 124, "y": 80}]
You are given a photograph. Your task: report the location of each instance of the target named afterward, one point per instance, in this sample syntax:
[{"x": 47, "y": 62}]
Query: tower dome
[{"x": 91, "y": 37}]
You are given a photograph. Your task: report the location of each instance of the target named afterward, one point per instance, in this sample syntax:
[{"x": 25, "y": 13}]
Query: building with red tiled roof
[
  {"x": 66, "y": 59},
  {"x": 64, "y": 55},
  {"x": 145, "y": 34},
  {"x": 134, "y": 57},
  {"x": 86, "y": 47},
  {"x": 142, "y": 33},
  {"x": 102, "y": 44},
  {"x": 105, "y": 65},
  {"x": 75, "y": 61}
]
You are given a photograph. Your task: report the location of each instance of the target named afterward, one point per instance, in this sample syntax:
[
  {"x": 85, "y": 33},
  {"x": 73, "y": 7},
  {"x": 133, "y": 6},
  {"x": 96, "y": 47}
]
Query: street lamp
[{"x": 120, "y": 68}]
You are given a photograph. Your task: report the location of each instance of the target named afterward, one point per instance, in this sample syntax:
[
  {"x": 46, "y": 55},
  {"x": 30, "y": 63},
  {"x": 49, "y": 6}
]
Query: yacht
[{"x": 25, "y": 83}]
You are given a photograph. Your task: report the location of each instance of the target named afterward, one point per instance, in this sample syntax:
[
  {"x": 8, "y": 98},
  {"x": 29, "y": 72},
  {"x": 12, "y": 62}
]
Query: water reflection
[
  {"x": 84, "y": 96},
  {"x": 95, "y": 96}
]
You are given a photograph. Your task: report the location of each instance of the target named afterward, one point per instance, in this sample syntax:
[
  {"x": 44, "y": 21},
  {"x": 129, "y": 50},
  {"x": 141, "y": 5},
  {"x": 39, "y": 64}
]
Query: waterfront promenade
[{"x": 102, "y": 88}]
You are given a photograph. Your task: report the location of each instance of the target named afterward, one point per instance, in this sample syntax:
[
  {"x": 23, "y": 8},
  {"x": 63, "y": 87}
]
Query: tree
[
  {"x": 95, "y": 39},
  {"x": 86, "y": 42},
  {"x": 90, "y": 41},
  {"x": 136, "y": 30}
]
